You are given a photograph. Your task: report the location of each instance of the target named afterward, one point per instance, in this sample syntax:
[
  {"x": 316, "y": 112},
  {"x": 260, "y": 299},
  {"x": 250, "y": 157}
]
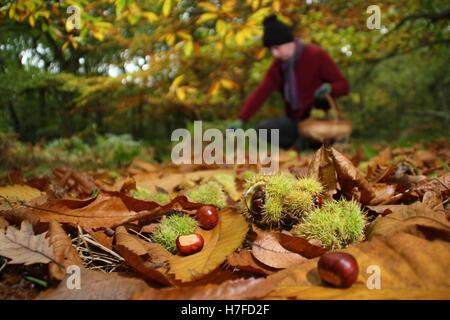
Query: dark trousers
[{"x": 289, "y": 136}]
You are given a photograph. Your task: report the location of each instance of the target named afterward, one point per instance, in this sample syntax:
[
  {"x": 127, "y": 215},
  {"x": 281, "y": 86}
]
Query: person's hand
[
  {"x": 237, "y": 124},
  {"x": 322, "y": 91}
]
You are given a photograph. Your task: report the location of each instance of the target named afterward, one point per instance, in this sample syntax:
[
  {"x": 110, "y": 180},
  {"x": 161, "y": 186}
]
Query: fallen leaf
[
  {"x": 63, "y": 251},
  {"x": 17, "y": 192},
  {"x": 229, "y": 290},
  {"x": 269, "y": 251},
  {"x": 382, "y": 192},
  {"x": 3, "y": 224},
  {"x": 22, "y": 246},
  {"x": 132, "y": 243},
  {"x": 410, "y": 266},
  {"x": 306, "y": 248},
  {"x": 244, "y": 260},
  {"x": 404, "y": 216},
  {"x": 219, "y": 243},
  {"x": 96, "y": 285},
  {"x": 107, "y": 210}
]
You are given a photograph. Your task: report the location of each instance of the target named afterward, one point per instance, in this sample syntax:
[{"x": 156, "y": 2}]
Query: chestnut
[
  {"x": 207, "y": 217},
  {"x": 189, "y": 243},
  {"x": 339, "y": 269},
  {"x": 258, "y": 200},
  {"x": 318, "y": 200}
]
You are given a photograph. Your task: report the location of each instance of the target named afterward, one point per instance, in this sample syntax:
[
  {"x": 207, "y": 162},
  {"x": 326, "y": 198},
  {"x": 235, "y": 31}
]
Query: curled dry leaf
[
  {"x": 410, "y": 267},
  {"x": 107, "y": 210},
  {"x": 22, "y": 246},
  {"x": 405, "y": 216},
  {"x": 134, "y": 251},
  {"x": 229, "y": 290},
  {"x": 95, "y": 285},
  {"x": 244, "y": 260},
  {"x": 307, "y": 248},
  {"x": 63, "y": 251},
  {"x": 269, "y": 251},
  {"x": 219, "y": 243}
]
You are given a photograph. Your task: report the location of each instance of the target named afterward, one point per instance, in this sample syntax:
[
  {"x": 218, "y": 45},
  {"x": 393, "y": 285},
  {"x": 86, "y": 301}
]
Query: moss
[
  {"x": 337, "y": 224},
  {"x": 208, "y": 193},
  {"x": 170, "y": 228}
]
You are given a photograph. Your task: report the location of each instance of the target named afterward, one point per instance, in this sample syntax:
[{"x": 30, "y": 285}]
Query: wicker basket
[{"x": 326, "y": 129}]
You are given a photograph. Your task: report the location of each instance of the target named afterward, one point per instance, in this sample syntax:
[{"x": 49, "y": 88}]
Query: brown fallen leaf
[
  {"x": 95, "y": 285},
  {"x": 3, "y": 224},
  {"x": 134, "y": 251},
  {"x": 229, "y": 290},
  {"x": 244, "y": 260},
  {"x": 63, "y": 251},
  {"x": 410, "y": 267},
  {"x": 306, "y": 248},
  {"x": 269, "y": 251},
  {"x": 219, "y": 243},
  {"x": 404, "y": 216},
  {"x": 107, "y": 210},
  {"x": 382, "y": 192},
  {"x": 322, "y": 168},
  {"x": 22, "y": 246}
]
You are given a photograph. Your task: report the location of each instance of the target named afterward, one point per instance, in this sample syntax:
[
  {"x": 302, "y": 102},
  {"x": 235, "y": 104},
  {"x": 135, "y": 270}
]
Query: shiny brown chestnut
[
  {"x": 207, "y": 217},
  {"x": 339, "y": 269},
  {"x": 189, "y": 243},
  {"x": 318, "y": 200}
]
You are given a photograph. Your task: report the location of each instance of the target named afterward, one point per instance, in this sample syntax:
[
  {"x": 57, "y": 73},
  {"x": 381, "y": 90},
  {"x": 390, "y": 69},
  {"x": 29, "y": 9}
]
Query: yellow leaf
[
  {"x": 177, "y": 81},
  {"x": 184, "y": 35},
  {"x": 260, "y": 14},
  {"x": 181, "y": 94},
  {"x": 167, "y": 6},
  {"x": 207, "y": 6},
  {"x": 206, "y": 16},
  {"x": 221, "y": 27},
  {"x": 98, "y": 35},
  {"x": 32, "y": 21},
  {"x": 228, "y": 6},
  {"x": 188, "y": 48},
  {"x": 255, "y": 4},
  {"x": 240, "y": 37},
  {"x": 214, "y": 89},
  {"x": 170, "y": 39},
  {"x": 220, "y": 242},
  {"x": 19, "y": 192},
  {"x": 260, "y": 54},
  {"x": 228, "y": 84},
  {"x": 276, "y": 5},
  {"x": 150, "y": 16}
]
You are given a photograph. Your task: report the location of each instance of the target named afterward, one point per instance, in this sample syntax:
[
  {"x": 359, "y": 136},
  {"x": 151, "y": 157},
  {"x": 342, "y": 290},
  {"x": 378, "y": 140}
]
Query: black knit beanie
[{"x": 276, "y": 32}]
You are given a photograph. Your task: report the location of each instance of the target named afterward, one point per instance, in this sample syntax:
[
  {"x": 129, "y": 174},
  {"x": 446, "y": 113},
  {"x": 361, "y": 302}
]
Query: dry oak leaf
[
  {"x": 22, "y": 246},
  {"x": 228, "y": 290},
  {"x": 269, "y": 251},
  {"x": 244, "y": 260},
  {"x": 107, "y": 210},
  {"x": 63, "y": 251},
  {"x": 410, "y": 266},
  {"x": 219, "y": 243},
  {"x": 406, "y": 216},
  {"x": 95, "y": 285}
]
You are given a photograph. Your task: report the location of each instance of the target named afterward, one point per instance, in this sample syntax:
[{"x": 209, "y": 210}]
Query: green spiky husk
[
  {"x": 286, "y": 199},
  {"x": 160, "y": 197},
  {"x": 170, "y": 228},
  {"x": 227, "y": 181},
  {"x": 209, "y": 193},
  {"x": 337, "y": 224}
]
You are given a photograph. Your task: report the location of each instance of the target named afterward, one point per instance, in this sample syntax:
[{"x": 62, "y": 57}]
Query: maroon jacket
[{"x": 314, "y": 68}]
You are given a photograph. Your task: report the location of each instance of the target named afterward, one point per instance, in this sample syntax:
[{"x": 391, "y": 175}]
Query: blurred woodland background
[{"x": 135, "y": 70}]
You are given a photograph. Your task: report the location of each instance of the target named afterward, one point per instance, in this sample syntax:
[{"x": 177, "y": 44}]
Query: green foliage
[
  {"x": 337, "y": 224},
  {"x": 170, "y": 228},
  {"x": 110, "y": 151}
]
